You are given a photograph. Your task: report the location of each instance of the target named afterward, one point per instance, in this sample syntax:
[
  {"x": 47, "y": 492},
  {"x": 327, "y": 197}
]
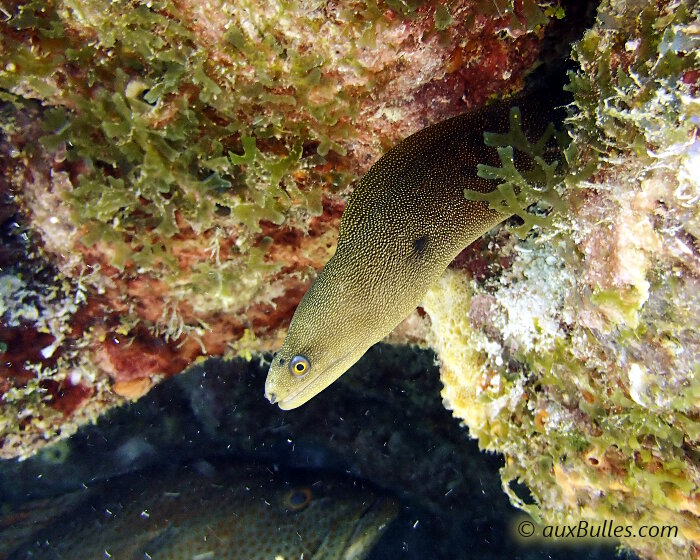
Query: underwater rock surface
[
  {"x": 175, "y": 171},
  {"x": 576, "y": 353}
]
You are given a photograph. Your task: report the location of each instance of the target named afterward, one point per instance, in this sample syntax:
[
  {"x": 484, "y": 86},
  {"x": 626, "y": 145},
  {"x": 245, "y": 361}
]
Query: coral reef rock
[{"x": 576, "y": 353}]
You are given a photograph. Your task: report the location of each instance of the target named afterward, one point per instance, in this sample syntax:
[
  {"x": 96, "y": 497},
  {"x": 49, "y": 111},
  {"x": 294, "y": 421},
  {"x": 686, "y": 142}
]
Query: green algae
[
  {"x": 443, "y": 18},
  {"x": 532, "y": 194},
  {"x": 164, "y": 141},
  {"x": 535, "y": 14},
  {"x": 620, "y": 306},
  {"x": 638, "y": 105}
]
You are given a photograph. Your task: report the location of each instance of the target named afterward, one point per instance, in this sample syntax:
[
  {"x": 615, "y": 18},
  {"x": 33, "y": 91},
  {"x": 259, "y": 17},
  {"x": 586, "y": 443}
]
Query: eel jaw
[
  {"x": 314, "y": 385},
  {"x": 288, "y": 402}
]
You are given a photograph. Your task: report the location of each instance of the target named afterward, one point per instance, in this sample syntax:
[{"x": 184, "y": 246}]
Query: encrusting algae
[{"x": 577, "y": 356}]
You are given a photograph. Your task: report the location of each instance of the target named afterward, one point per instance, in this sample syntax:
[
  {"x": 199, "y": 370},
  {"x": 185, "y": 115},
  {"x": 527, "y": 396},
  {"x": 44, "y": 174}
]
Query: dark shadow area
[{"x": 382, "y": 422}]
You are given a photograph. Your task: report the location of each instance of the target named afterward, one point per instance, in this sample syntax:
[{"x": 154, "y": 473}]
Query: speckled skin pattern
[
  {"x": 406, "y": 220},
  {"x": 240, "y": 512}
]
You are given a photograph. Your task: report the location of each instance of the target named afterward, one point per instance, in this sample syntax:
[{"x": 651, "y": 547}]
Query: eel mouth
[
  {"x": 289, "y": 402},
  {"x": 292, "y": 400}
]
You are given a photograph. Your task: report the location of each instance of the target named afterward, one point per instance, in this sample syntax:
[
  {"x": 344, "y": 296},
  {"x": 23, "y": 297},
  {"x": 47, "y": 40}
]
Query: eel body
[{"x": 405, "y": 221}]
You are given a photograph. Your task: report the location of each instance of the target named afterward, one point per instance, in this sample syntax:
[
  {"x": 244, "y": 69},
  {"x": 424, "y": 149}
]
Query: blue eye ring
[{"x": 299, "y": 366}]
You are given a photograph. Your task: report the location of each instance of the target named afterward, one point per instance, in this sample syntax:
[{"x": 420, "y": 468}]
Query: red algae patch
[{"x": 140, "y": 355}]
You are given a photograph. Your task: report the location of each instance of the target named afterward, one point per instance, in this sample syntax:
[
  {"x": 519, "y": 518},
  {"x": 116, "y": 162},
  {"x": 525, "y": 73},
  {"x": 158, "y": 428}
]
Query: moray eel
[{"x": 404, "y": 223}]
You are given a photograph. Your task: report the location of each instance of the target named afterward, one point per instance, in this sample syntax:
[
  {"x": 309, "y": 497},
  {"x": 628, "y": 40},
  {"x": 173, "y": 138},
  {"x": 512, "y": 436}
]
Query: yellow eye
[
  {"x": 297, "y": 499},
  {"x": 299, "y": 366}
]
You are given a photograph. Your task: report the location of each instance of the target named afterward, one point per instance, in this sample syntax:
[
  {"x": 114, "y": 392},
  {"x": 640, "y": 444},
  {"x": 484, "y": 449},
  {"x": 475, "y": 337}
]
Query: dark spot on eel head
[
  {"x": 420, "y": 245},
  {"x": 281, "y": 361}
]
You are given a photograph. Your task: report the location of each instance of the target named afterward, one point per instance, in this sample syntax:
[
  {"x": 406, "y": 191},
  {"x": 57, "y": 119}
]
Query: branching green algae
[
  {"x": 531, "y": 195},
  {"x": 165, "y": 144}
]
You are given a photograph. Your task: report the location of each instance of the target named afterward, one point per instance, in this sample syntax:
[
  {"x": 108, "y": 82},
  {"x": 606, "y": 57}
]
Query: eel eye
[
  {"x": 299, "y": 366},
  {"x": 298, "y": 499}
]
